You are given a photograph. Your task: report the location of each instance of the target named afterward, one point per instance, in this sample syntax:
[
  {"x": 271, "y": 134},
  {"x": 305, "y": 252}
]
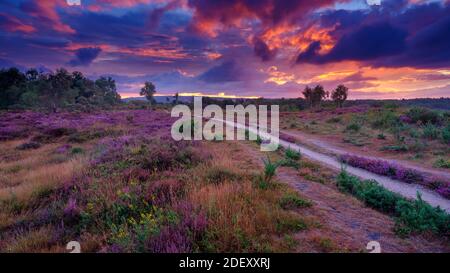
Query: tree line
[
  {"x": 315, "y": 96},
  {"x": 53, "y": 90},
  {"x": 61, "y": 89}
]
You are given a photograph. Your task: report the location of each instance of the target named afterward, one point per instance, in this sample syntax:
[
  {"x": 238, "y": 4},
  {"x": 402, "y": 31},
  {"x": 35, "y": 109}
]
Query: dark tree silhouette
[
  {"x": 176, "y": 98},
  {"x": 340, "y": 94},
  {"x": 54, "y": 90},
  {"x": 148, "y": 91},
  {"x": 314, "y": 96},
  {"x": 308, "y": 94}
]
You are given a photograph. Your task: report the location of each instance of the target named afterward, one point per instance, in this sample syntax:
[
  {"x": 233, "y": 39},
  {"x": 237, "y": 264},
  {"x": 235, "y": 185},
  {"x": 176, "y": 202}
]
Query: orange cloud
[
  {"x": 278, "y": 77},
  {"x": 213, "y": 55},
  {"x": 298, "y": 39}
]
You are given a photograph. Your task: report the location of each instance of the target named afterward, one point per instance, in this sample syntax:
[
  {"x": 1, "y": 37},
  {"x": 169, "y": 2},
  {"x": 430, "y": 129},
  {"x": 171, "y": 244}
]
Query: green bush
[
  {"x": 287, "y": 162},
  {"x": 397, "y": 129},
  {"x": 258, "y": 140},
  {"x": 292, "y": 154},
  {"x": 76, "y": 150},
  {"x": 430, "y": 131},
  {"x": 414, "y": 133},
  {"x": 395, "y": 148},
  {"x": 353, "y": 127},
  {"x": 446, "y": 134},
  {"x": 270, "y": 169},
  {"x": 291, "y": 201},
  {"x": 442, "y": 163},
  {"x": 411, "y": 216},
  {"x": 385, "y": 119},
  {"x": 290, "y": 224},
  {"x": 424, "y": 115}
]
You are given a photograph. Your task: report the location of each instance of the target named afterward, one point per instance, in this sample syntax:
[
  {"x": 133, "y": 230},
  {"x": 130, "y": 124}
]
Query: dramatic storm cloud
[
  {"x": 270, "y": 48},
  {"x": 85, "y": 56}
]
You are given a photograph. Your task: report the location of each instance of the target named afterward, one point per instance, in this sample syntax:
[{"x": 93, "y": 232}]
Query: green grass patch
[
  {"x": 293, "y": 201},
  {"x": 292, "y": 154},
  {"x": 442, "y": 163},
  {"x": 395, "y": 148},
  {"x": 290, "y": 224},
  {"x": 410, "y": 215}
]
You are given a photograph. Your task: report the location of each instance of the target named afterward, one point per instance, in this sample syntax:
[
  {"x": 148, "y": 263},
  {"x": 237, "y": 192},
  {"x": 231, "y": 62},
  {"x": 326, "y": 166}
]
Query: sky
[{"x": 237, "y": 48}]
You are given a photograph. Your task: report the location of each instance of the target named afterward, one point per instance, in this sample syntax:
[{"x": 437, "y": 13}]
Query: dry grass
[
  {"x": 241, "y": 216},
  {"x": 34, "y": 169},
  {"x": 32, "y": 241}
]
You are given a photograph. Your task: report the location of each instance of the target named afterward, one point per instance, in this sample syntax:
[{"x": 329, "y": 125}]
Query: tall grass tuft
[
  {"x": 270, "y": 169},
  {"x": 292, "y": 154}
]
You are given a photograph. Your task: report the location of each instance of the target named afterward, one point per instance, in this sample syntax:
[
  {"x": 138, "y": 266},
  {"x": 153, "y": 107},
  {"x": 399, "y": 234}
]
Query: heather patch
[{"x": 393, "y": 171}]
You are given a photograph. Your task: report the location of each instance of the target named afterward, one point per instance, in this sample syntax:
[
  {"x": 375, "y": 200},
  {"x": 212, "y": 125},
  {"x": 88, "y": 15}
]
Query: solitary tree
[
  {"x": 340, "y": 94},
  {"x": 148, "y": 91},
  {"x": 308, "y": 94},
  {"x": 319, "y": 94}
]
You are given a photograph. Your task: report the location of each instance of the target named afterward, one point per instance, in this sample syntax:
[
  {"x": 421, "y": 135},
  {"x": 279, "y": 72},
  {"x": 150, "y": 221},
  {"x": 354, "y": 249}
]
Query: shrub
[
  {"x": 414, "y": 133},
  {"x": 442, "y": 163},
  {"x": 258, "y": 140},
  {"x": 76, "y": 150},
  {"x": 397, "y": 130},
  {"x": 395, "y": 148},
  {"x": 410, "y": 216},
  {"x": 292, "y": 154},
  {"x": 444, "y": 191},
  {"x": 430, "y": 131},
  {"x": 384, "y": 168},
  {"x": 270, "y": 169},
  {"x": 419, "y": 216},
  {"x": 291, "y": 201},
  {"x": 408, "y": 175},
  {"x": 446, "y": 134},
  {"x": 423, "y": 115},
  {"x": 385, "y": 119},
  {"x": 353, "y": 127},
  {"x": 290, "y": 224},
  {"x": 287, "y": 162},
  {"x": 405, "y": 119},
  {"x": 381, "y": 136},
  {"x": 29, "y": 146}
]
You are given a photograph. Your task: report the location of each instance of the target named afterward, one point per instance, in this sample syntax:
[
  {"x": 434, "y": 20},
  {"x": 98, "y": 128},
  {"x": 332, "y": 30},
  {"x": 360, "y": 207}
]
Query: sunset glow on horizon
[{"x": 237, "y": 48}]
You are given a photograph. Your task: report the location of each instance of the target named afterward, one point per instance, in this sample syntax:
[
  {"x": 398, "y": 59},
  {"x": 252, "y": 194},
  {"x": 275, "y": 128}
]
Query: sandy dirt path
[
  {"x": 331, "y": 149},
  {"x": 346, "y": 220},
  {"x": 404, "y": 189}
]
